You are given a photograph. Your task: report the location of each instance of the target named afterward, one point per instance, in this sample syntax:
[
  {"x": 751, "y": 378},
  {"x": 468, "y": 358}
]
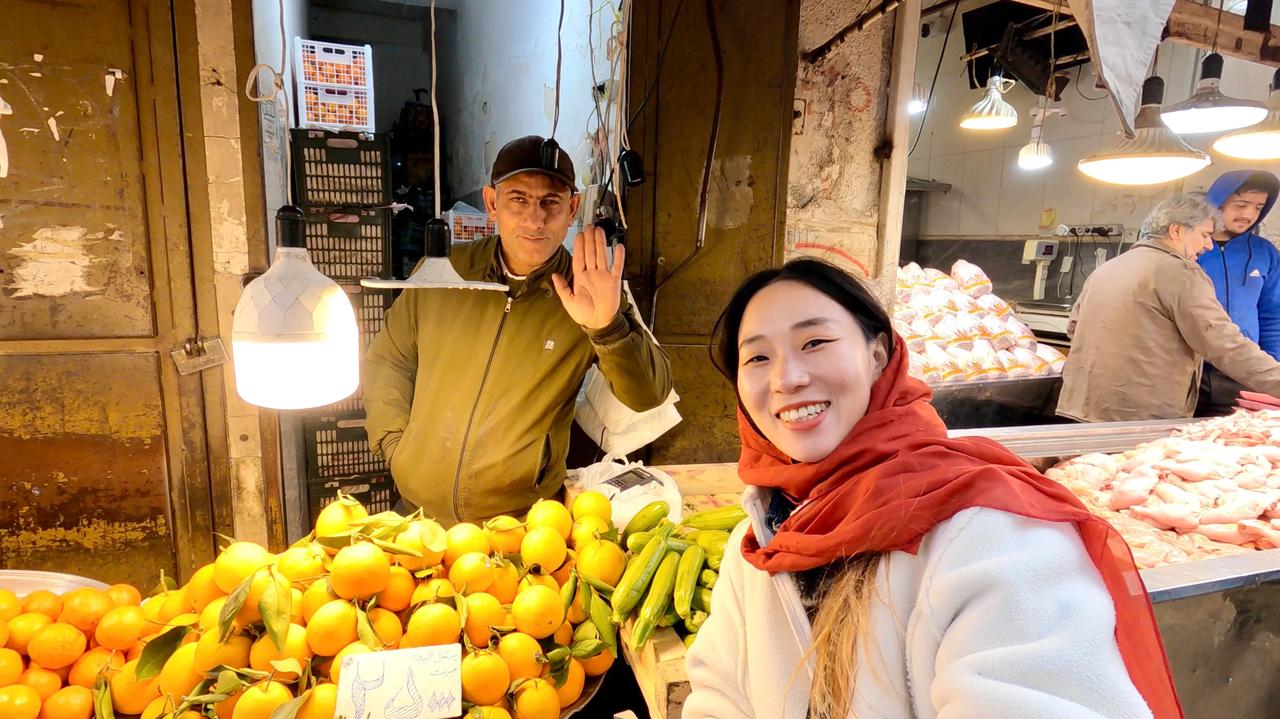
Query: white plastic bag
[
  {"x": 1056, "y": 359},
  {"x": 630, "y": 486},
  {"x": 995, "y": 306},
  {"x": 972, "y": 280}
]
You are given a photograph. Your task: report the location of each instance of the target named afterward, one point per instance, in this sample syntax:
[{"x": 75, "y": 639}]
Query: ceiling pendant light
[
  {"x": 919, "y": 101},
  {"x": 992, "y": 112},
  {"x": 1154, "y": 154},
  {"x": 1208, "y": 110},
  {"x": 1036, "y": 155},
  {"x": 294, "y": 339},
  {"x": 1257, "y": 142}
]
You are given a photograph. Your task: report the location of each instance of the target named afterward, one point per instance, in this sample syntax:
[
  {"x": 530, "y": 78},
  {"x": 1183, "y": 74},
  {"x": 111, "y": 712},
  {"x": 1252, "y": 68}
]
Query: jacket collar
[
  {"x": 485, "y": 264},
  {"x": 1161, "y": 246}
]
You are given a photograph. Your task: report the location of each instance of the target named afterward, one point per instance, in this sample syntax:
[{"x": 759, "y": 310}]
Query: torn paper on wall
[{"x": 55, "y": 263}]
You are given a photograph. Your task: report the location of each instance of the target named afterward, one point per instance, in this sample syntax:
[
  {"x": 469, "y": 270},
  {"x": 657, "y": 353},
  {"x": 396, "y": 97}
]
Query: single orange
[
  {"x": 68, "y": 703},
  {"x": 84, "y": 608},
  {"x": 432, "y": 624},
  {"x": 10, "y": 605},
  {"x": 359, "y": 571},
  {"x": 485, "y": 677},
  {"x": 93, "y": 664},
  {"x": 43, "y": 602},
  {"x": 45, "y": 682},
  {"x": 122, "y": 627},
  {"x": 386, "y": 624},
  {"x": 19, "y": 701},
  {"x": 56, "y": 646},
  {"x": 122, "y": 594},
  {"x": 11, "y": 667},
  {"x": 399, "y": 592},
  {"x": 331, "y": 628}
]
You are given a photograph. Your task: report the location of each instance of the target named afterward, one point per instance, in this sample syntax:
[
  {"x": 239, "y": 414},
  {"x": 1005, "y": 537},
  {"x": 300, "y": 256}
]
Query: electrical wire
[
  {"x": 555, "y": 122},
  {"x": 703, "y": 194},
  {"x": 1079, "y": 69},
  {"x": 934, "y": 82},
  {"x": 435, "y": 116},
  {"x": 657, "y": 70}
]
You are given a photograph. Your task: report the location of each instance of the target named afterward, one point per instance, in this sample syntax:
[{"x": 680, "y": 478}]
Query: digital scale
[{"x": 1042, "y": 253}]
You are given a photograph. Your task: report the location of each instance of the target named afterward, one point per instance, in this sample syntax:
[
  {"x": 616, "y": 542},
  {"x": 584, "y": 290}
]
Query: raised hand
[{"x": 596, "y": 294}]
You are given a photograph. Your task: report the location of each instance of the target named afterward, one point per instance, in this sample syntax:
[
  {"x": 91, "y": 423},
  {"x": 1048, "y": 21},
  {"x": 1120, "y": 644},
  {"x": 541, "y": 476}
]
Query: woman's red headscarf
[{"x": 897, "y": 475}]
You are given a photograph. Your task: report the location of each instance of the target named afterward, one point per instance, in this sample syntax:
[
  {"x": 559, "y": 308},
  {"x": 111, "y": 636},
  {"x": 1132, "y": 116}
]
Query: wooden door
[{"x": 103, "y": 466}]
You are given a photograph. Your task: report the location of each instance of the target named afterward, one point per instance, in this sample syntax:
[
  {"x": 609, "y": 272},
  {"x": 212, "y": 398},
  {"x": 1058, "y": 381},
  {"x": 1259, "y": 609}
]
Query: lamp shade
[
  {"x": 435, "y": 272},
  {"x": 1035, "y": 155},
  {"x": 294, "y": 340},
  {"x": 991, "y": 112},
  {"x": 1256, "y": 142},
  {"x": 1154, "y": 155},
  {"x": 1208, "y": 110}
]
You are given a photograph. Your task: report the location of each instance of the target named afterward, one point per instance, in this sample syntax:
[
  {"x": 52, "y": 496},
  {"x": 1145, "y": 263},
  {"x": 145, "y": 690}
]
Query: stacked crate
[{"x": 343, "y": 185}]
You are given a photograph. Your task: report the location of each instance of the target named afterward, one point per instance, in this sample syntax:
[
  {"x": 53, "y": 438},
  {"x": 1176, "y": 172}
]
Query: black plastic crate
[
  {"x": 341, "y": 169},
  {"x": 338, "y": 446},
  {"x": 350, "y": 245},
  {"x": 377, "y": 492}
]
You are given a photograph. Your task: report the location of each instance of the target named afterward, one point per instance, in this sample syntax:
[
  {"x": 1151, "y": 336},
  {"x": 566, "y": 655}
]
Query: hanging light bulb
[
  {"x": 919, "y": 101},
  {"x": 294, "y": 341},
  {"x": 1208, "y": 110},
  {"x": 991, "y": 112},
  {"x": 1154, "y": 154},
  {"x": 1256, "y": 142},
  {"x": 1036, "y": 155}
]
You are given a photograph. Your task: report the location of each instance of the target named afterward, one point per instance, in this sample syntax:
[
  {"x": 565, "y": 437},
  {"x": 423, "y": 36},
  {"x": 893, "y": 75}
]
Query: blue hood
[{"x": 1226, "y": 185}]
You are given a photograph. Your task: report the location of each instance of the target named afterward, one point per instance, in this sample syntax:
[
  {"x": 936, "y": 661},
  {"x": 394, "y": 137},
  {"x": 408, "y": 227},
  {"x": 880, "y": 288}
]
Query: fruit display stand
[{"x": 659, "y": 666}]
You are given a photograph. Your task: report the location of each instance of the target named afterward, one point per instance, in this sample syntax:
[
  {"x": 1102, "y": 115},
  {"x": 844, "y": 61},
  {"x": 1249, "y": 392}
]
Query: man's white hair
[{"x": 1187, "y": 210}]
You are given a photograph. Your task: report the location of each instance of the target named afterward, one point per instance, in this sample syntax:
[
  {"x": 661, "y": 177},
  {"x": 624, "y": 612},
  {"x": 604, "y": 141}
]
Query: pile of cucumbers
[{"x": 671, "y": 570}]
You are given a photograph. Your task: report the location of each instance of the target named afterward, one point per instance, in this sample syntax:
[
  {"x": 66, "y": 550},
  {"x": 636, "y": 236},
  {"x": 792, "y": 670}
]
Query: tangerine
[
  {"x": 597, "y": 665},
  {"x": 506, "y": 581},
  {"x": 320, "y": 704},
  {"x": 129, "y": 695},
  {"x": 10, "y": 605},
  {"x": 462, "y": 538},
  {"x": 538, "y": 612},
  {"x": 432, "y": 624},
  {"x": 43, "y": 601},
  {"x": 237, "y": 562},
  {"x": 537, "y": 699},
  {"x": 121, "y": 627},
  {"x": 210, "y": 652},
  {"x": 56, "y": 646},
  {"x": 11, "y": 667},
  {"x": 45, "y": 682},
  {"x": 523, "y": 655},
  {"x": 399, "y": 592},
  {"x": 426, "y": 537},
  {"x": 571, "y": 688},
  {"x": 179, "y": 675},
  {"x": 484, "y": 612},
  {"x": 337, "y": 517},
  {"x": 592, "y": 503},
  {"x": 505, "y": 534},
  {"x": 19, "y": 701},
  {"x": 552, "y": 514},
  {"x": 122, "y": 594},
  {"x": 23, "y": 627},
  {"x": 264, "y": 651},
  {"x": 301, "y": 565},
  {"x": 603, "y": 561},
  {"x": 202, "y": 588},
  {"x": 259, "y": 700},
  {"x": 331, "y": 628},
  {"x": 387, "y": 626},
  {"x": 359, "y": 571},
  {"x": 71, "y": 702},
  {"x": 485, "y": 677},
  {"x": 471, "y": 572},
  {"x": 94, "y": 663},
  {"x": 544, "y": 547}
]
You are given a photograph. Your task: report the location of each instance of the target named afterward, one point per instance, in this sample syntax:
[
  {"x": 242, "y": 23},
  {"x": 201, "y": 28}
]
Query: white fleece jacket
[{"x": 996, "y": 617}]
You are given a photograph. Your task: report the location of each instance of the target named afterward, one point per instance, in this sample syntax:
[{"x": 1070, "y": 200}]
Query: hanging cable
[
  {"x": 657, "y": 70},
  {"x": 703, "y": 195},
  {"x": 934, "y": 82},
  {"x": 435, "y": 118},
  {"x": 555, "y": 122}
]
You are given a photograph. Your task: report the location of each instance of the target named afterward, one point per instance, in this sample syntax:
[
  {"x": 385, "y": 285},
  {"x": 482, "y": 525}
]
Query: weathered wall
[
  {"x": 500, "y": 83},
  {"x": 833, "y": 194},
  {"x": 274, "y": 117}
]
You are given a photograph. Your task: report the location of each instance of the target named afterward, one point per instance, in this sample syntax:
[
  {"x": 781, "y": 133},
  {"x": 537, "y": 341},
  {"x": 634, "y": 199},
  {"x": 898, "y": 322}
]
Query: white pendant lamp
[
  {"x": 1154, "y": 155},
  {"x": 1036, "y": 155},
  {"x": 919, "y": 101},
  {"x": 1208, "y": 110},
  {"x": 991, "y": 112},
  {"x": 294, "y": 340},
  {"x": 1257, "y": 142}
]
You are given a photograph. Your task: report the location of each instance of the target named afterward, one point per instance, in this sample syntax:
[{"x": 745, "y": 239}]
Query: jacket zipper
[
  {"x": 1226, "y": 277},
  {"x": 484, "y": 378}
]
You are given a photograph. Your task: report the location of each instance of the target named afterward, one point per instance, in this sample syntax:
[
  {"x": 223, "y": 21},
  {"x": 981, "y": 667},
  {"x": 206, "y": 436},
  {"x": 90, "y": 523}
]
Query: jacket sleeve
[
  {"x": 1206, "y": 327},
  {"x": 1269, "y": 304},
  {"x": 715, "y": 664},
  {"x": 389, "y": 372},
  {"x": 637, "y": 369},
  {"x": 1024, "y": 625}
]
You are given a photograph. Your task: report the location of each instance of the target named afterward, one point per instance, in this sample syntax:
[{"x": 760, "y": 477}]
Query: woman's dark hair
[{"x": 848, "y": 291}]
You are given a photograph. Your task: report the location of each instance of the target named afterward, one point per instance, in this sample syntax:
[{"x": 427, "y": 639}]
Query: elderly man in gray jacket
[{"x": 1146, "y": 322}]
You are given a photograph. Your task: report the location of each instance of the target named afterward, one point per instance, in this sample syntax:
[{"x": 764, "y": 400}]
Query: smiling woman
[{"x": 887, "y": 570}]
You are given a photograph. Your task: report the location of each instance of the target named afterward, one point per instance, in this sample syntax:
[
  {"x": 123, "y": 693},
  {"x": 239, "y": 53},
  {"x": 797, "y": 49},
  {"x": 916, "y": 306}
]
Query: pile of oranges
[{"x": 254, "y": 632}]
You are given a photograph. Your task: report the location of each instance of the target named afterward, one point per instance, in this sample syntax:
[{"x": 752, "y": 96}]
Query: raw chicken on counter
[
  {"x": 1212, "y": 489},
  {"x": 957, "y": 330}
]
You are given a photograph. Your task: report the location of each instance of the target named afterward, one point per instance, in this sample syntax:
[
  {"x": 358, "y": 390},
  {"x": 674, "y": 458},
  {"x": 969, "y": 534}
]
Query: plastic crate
[
  {"x": 337, "y": 446},
  {"x": 341, "y": 169},
  {"x": 377, "y": 492},
  {"x": 331, "y": 63},
  {"x": 468, "y": 224},
  {"x": 336, "y": 108},
  {"x": 350, "y": 246}
]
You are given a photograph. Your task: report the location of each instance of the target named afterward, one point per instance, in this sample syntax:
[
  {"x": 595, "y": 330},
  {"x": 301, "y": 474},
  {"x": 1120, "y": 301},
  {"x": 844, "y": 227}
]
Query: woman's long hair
[{"x": 843, "y": 617}]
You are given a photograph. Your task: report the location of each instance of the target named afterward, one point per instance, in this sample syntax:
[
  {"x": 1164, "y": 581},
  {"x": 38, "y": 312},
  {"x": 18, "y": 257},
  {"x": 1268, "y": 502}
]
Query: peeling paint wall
[
  {"x": 231, "y": 251},
  {"x": 833, "y": 191}
]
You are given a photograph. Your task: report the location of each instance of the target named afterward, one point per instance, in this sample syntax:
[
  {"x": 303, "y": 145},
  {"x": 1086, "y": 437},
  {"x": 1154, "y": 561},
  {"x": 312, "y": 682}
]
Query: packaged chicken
[
  {"x": 904, "y": 292},
  {"x": 995, "y": 306},
  {"x": 1022, "y": 334},
  {"x": 917, "y": 366},
  {"x": 1056, "y": 359},
  {"x": 905, "y": 312},
  {"x": 962, "y": 360},
  {"x": 972, "y": 280},
  {"x": 929, "y": 305},
  {"x": 996, "y": 332},
  {"x": 947, "y": 329},
  {"x": 983, "y": 362},
  {"x": 1036, "y": 366},
  {"x": 1013, "y": 366},
  {"x": 940, "y": 280},
  {"x": 962, "y": 303},
  {"x": 911, "y": 274},
  {"x": 922, "y": 334},
  {"x": 967, "y": 329},
  {"x": 947, "y": 369}
]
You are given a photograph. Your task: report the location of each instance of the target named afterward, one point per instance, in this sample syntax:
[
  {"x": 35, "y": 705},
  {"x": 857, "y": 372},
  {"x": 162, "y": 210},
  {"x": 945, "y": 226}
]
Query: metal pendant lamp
[
  {"x": 1260, "y": 141},
  {"x": 1036, "y": 154},
  {"x": 991, "y": 112},
  {"x": 1154, "y": 155},
  {"x": 1208, "y": 110}
]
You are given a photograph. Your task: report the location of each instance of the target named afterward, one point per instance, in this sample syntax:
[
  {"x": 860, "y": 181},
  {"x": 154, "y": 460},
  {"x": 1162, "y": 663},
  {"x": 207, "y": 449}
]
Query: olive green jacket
[{"x": 470, "y": 394}]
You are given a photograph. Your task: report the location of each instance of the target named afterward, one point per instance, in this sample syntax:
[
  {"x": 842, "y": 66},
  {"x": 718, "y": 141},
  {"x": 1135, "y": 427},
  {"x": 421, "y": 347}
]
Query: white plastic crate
[
  {"x": 335, "y": 85},
  {"x": 329, "y": 63},
  {"x": 336, "y": 108}
]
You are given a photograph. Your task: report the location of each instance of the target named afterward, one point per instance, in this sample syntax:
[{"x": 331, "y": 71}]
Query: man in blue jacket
[{"x": 1245, "y": 269}]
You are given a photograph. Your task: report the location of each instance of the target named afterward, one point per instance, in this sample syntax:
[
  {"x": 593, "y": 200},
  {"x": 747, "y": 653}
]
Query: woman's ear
[{"x": 880, "y": 353}]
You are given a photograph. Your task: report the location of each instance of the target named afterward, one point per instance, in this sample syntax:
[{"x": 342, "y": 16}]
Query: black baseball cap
[{"x": 533, "y": 153}]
